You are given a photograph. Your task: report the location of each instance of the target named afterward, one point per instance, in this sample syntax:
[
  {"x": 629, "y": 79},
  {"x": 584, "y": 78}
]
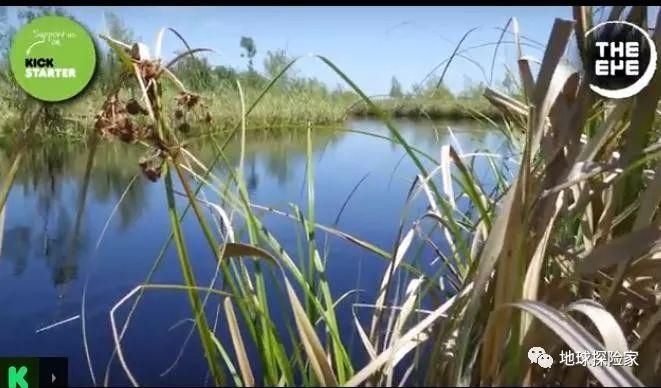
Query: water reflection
[
  {"x": 61, "y": 180},
  {"x": 64, "y": 195}
]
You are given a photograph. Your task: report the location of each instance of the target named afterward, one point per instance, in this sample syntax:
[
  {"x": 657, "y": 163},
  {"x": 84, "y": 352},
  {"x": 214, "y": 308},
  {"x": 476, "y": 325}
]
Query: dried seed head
[
  {"x": 148, "y": 69},
  {"x": 101, "y": 123},
  {"x": 193, "y": 100},
  {"x": 140, "y": 52},
  {"x": 134, "y": 107},
  {"x": 184, "y": 127},
  {"x": 143, "y": 161},
  {"x": 144, "y": 131},
  {"x": 188, "y": 100},
  {"x": 152, "y": 166},
  {"x": 123, "y": 121},
  {"x": 178, "y": 114},
  {"x": 153, "y": 173},
  {"x": 127, "y": 136}
]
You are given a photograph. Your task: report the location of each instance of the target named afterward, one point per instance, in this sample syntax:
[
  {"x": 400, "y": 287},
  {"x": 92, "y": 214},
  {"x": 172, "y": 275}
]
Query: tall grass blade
[
  {"x": 311, "y": 343},
  {"x": 189, "y": 277},
  {"x": 239, "y": 348}
]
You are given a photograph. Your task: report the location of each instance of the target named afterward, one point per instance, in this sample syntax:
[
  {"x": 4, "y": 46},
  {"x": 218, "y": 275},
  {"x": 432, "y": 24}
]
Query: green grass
[
  {"x": 564, "y": 256},
  {"x": 278, "y": 110},
  {"x": 429, "y": 108}
]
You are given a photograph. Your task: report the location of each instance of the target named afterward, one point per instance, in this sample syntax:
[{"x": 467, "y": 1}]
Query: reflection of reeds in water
[{"x": 2, "y": 227}]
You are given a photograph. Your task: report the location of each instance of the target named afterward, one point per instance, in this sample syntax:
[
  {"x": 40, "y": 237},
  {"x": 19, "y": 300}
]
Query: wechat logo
[{"x": 537, "y": 355}]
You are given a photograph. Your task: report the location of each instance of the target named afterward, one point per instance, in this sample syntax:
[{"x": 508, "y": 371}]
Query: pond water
[{"x": 49, "y": 243}]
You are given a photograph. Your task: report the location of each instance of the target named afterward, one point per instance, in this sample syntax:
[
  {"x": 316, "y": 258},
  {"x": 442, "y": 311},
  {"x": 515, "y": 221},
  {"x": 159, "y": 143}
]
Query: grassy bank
[
  {"x": 412, "y": 107},
  {"x": 277, "y": 110},
  {"x": 565, "y": 256}
]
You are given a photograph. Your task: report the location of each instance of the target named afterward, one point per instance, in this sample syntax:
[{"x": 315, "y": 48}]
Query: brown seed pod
[
  {"x": 144, "y": 160},
  {"x": 153, "y": 173},
  {"x": 145, "y": 131},
  {"x": 148, "y": 69},
  {"x": 127, "y": 136},
  {"x": 101, "y": 123},
  {"x": 207, "y": 118},
  {"x": 123, "y": 121},
  {"x": 188, "y": 100},
  {"x": 193, "y": 100},
  {"x": 178, "y": 114},
  {"x": 184, "y": 127},
  {"x": 127, "y": 132},
  {"x": 134, "y": 107},
  {"x": 152, "y": 166}
]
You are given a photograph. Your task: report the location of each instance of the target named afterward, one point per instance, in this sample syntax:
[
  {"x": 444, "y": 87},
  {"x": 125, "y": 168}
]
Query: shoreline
[{"x": 69, "y": 125}]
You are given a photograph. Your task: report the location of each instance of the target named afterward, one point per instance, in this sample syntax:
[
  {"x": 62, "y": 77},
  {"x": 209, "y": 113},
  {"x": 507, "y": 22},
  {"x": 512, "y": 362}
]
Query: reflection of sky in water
[{"x": 43, "y": 264}]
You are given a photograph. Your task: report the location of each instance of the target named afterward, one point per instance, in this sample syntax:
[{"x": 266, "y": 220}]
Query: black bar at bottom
[{"x": 53, "y": 372}]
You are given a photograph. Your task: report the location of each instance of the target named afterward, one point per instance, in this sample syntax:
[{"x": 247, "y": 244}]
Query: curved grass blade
[
  {"x": 580, "y": 340},
  {"x": 495, "y": 50},
  {"x": 454, "y": 53},
  {"x": 611, "y": 332}
]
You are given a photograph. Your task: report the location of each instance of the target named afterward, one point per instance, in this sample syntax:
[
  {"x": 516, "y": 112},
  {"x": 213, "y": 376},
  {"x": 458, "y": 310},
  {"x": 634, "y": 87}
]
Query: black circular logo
[{"x": 620, "y": 59}]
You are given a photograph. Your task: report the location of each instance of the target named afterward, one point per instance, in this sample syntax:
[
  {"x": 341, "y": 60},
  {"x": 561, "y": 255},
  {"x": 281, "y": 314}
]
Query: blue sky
[{"x": 370, "y": 44}]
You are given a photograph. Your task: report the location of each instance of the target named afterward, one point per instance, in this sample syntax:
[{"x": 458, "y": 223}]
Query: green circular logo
[{"x": 52, "y": 58}]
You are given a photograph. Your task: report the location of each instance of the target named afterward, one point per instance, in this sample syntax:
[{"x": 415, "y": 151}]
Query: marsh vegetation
[{"x": 543, "y": 230}]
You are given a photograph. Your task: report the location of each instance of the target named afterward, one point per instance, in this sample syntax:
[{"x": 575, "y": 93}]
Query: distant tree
[
  {"x": 442, "y": 92},
  {"x": 510, "y": 86},
  {"x": 29, "y": 13},
  {"x": 111, "y": 65},
  {"x": 5, "y": 31},
  {"x": 224, "y": 74},
  {"x": 274, "y": 62},
  {"x": 116, "y": 28},
  {"x": 395, "y": 88},
  {"x": 416, "y": 89},
  {"x": 431, "y": 88},
  {"x": 472, "y": 91},
  {"x": 248, "y": 44},
  {"x": 195, "y": 72},
  {"x": 25, "y": 15},
  {"x": 308, "y": 85}
]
